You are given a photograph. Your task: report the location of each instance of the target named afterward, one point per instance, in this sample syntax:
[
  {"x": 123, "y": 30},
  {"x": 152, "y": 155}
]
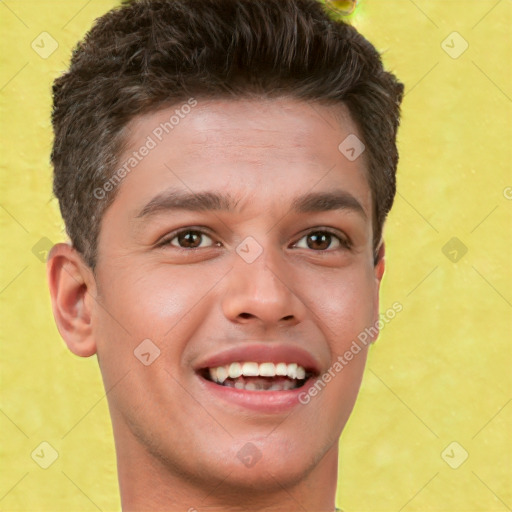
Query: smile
[
  {"x": 252, "y": 376},
  {"x": 263, "y": 377}
]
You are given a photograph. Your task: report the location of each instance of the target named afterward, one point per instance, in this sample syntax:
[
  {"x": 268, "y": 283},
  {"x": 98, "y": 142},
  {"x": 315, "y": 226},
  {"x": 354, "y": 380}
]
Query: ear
[
  {"x": 380, "y": 263},
  {"x": 72, "y": 288},
  {"x": 379, "y": 267}
]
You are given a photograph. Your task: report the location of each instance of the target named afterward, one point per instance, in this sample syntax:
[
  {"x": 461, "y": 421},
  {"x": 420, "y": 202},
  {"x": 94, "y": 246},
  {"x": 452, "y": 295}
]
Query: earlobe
[{"x": 72, "y": 286}]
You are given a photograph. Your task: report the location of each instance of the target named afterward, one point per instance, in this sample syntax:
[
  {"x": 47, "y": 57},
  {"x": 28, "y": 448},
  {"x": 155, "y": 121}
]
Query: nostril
[
  {"x": 245, "y": 315},
  {"x": 288, "y": 317}
]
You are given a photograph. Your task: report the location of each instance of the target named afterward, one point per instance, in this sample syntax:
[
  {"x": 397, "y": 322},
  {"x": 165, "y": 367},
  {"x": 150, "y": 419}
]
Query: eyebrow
[{"x": 313, "y": 202}]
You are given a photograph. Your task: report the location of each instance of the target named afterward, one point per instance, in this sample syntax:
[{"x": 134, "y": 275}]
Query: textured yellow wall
[{"x": 438, "y": 383}]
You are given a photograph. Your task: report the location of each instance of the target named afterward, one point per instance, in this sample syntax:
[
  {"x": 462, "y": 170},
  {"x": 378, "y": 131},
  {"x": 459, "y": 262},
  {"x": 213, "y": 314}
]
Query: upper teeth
[{"x": 250, "y": 369}]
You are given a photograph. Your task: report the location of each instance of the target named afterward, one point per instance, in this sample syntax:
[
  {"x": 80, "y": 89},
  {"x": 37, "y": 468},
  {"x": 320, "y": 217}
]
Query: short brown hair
[{"x": 150, "y": 54}]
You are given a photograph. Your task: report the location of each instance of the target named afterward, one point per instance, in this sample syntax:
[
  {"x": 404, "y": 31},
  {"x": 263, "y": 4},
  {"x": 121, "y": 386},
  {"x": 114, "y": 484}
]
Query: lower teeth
[{"x": 262, "y": 383}]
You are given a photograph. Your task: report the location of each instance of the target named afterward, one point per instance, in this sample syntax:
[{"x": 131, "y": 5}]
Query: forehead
[
  {"x": 280, "y": 123},
  {"x": 277, "y": 146}
]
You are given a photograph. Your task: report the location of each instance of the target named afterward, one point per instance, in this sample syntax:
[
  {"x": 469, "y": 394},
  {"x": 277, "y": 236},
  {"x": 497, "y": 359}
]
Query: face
[{"x": 240, "y": 246}]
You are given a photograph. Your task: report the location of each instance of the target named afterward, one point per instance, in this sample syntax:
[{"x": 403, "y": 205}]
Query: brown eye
[
  {"x": 321, "y": 241},
  {"x": 190, "y": 239}
]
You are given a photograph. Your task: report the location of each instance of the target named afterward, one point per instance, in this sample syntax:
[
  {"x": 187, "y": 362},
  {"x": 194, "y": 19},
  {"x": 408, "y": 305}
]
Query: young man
[{"x": 224, "y": 169}]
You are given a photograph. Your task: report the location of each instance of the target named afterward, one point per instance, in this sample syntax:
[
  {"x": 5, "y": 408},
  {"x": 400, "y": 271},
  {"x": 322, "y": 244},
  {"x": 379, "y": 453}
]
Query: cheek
[
  {"x": 344, "y": 304},
  {"x": 150, "y": 302},
  {"x": 165, "y": 305}
]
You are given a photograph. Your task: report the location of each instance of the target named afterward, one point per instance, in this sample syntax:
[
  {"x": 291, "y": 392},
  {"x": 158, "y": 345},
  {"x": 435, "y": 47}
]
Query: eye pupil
[
  {"x": 189, "y": 239},
  {"x": 319, "y": 240}
]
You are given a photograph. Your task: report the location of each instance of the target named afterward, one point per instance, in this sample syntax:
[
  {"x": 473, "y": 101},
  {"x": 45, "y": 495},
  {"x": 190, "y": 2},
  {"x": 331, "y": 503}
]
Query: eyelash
[{"x": 345, "y": 243}]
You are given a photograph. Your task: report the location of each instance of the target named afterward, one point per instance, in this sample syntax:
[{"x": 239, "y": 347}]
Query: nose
[{"x": 262, "y": 292}]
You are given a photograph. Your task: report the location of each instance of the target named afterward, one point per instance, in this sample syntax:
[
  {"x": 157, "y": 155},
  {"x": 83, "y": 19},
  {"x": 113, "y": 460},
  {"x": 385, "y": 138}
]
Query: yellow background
[{"x": 441, "y": 370}]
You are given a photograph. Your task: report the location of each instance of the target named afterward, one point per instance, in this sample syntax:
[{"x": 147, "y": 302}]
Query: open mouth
[{"x": 252, "y": 376}]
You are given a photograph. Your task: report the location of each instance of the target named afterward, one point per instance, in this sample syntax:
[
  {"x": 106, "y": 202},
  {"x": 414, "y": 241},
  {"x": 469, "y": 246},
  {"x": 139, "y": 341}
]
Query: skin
[{"x": 177, "y": 447}]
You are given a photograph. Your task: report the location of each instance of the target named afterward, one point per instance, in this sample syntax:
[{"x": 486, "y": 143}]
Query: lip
[
  {"x": 270, "y": 402},
  {"x": 259, "y": 353},
  {"x": 263, "y": 402}
]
